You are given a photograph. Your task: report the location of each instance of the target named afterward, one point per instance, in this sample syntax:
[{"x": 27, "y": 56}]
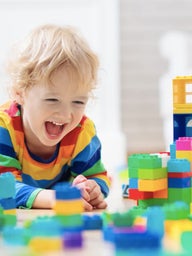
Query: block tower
[
  {"x": 166, "y": 179},
  {"x": 182, "y": 107},
  {"x": 68, "y": 212}
]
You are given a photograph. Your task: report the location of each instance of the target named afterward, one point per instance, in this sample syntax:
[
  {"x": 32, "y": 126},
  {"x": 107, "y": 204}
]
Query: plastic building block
[
  {"x": 133, "y": 182},
  {"x": 145, "y": 161},
  {"x": 178, "y": 165},
  {"x": 152, "y": 174},
  {"x": 68, "y": 207},
  {"x": 133, "y": 172},
  {"x": 179, "y": 194},
  {"x": 8, "y": 203},
  {"x": 179, "y": 182},
  {"x": 7, "y": 185},
  {"x": 72, "y": 220},
  {"x": 8, "y": 219},
  {"x": 172, "y": 151},
  {"x": 136, "y": 240},
  {"x": 186, "y": 154},
  {"x": 184, "y": 143},
  {"x": 92, "y": 222},
  {"x": 186, "y": 238},
  {"x": 152, "y": 202},
  {"x": 64, "y": 191},
  {"x": 45, "y": 226},
  {"x": 179, "y": 174},
  {"x": 176, "y": 211},
  {"x": 46, "y": 244},
  {"x": 152, "y": 185},
  {"x": 15, "y": 236},
  {"x": 125, "y": 219},
  {"x": 136, "y": 194},
  {"x": 73, "y": 240},
  {"x": 153, "y": 226},
  {"x": 161, "y": 194}
]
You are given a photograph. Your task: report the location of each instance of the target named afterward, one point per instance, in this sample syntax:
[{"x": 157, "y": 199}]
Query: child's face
[{"x": 51, "y": 112}]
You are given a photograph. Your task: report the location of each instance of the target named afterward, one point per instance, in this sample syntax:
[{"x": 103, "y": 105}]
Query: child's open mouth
[{"x": 54, "y": 129}]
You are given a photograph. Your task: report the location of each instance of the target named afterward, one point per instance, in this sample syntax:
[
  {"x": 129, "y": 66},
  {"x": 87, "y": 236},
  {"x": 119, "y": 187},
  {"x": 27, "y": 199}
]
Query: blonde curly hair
[{"x": 48, "y": 48}]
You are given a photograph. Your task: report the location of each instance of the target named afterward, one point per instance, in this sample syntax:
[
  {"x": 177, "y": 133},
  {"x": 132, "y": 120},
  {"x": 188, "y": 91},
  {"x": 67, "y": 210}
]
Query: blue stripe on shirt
[
  {"x": 5, "y": 137},
  {"x": 87, "y": 157},
  {"x": 7, "y": 151}
]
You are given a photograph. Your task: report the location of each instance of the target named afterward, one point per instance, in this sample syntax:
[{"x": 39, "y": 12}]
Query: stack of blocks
[
  {"x": 153, "y": 181},
  {"x": 68, "y": 211},
  {"x": 148, "y": 178},
  {"x": 179, "y": 171},
  {"x": 7, "y": 199},
  {"x": 133, "y": 237}
]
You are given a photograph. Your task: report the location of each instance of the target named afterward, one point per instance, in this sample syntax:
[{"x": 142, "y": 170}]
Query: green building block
[
  {"x": 152, "y": 202},
  {"x": 179, "y": 194},
  {"x": 125, "y": 219},
  {"x": 74, "y": 220},
  {"x": 186, "y": 238},
  {"x": 133, "y": 172},
  {"x": 176, "y": 211},
  {"x": 9, "y": 219},
  {"x": 152, "y": 174},
  {"x": 144, "y": 161}
]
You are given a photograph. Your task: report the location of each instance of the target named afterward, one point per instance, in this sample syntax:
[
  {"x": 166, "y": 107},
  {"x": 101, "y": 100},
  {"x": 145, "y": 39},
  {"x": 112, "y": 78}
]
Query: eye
[
  {"x": 79, "y": 102},
  {"x": 52, "y": 100}
]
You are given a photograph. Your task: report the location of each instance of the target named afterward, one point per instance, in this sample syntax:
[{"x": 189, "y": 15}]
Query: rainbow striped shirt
[{"x": 79, "y": 152}]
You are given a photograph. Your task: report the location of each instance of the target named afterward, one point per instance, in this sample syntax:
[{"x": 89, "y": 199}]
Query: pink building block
[{"x": 184, "y": 143}]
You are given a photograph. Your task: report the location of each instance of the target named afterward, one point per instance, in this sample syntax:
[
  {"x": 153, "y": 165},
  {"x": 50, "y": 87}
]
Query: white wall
[{"x": 98, "y": 22}]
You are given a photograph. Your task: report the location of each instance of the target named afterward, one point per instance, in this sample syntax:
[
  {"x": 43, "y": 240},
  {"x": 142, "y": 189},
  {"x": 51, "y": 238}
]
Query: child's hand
[{"x": 91, "y": 193}]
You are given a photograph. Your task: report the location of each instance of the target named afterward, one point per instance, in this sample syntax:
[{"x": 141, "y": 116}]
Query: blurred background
[{"x": 142, "y": 46}]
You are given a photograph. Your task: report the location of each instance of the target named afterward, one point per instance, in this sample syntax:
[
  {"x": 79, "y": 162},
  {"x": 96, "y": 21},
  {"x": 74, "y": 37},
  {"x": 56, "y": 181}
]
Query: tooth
[{"x": 56, "y": 123}]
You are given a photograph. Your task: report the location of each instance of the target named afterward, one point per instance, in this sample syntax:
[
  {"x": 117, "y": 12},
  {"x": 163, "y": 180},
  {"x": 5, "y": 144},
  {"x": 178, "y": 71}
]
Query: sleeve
[
  {"x": 87, "y": 157},
  {"x": 25, "y": 194}
]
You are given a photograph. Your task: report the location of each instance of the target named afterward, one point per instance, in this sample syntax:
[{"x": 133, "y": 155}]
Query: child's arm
[{"x": 45, "y": 199}]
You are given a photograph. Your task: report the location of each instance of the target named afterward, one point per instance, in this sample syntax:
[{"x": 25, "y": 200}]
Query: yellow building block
[
  {"x": 68, "y": 207},
  {"x": 152, "y": 185},
  {"x": 187, "y": 154},
  {"x": 45, "y": 244},
  {"x": 174, "y": 228},
  {"x": 182, "y": 94},
  {"x": 11, "y": 212}
]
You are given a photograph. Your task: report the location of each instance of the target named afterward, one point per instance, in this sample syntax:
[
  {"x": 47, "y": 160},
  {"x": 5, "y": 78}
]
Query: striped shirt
[{"x": 79, "y": 152}]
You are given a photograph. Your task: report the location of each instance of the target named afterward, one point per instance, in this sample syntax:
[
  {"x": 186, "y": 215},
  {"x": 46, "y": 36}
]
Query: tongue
[{"x": 53, "y": 129}]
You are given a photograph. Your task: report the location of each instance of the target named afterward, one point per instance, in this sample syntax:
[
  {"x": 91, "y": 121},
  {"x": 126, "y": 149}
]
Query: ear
[{"x": 19, "y": 97}]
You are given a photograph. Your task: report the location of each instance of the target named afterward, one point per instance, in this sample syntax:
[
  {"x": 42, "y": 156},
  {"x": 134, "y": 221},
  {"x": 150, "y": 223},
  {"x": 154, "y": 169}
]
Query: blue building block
[
  {"x": 179, "y": 182},
  {"x": 45, "y": 226},
  {"x": 8, "y": 203},
  {"x": 178, "y": 165},
  {"x": 137, "y": 240},
  {"x": 92, "y": 222},
  {"x": 64, "y": 191},
  {"x": 133, "y": 182},
  {"x": 155, "y": 221},
  {"x": 73, "y": 240},
  {"x": 15, "y": 236},
  {"x": 173, "y": 151},
  {"x": 7, "y": 185}
]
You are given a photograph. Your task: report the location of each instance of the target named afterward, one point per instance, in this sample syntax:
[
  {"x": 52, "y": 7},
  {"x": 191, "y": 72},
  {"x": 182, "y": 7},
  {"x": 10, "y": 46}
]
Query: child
[{"x": 45, "y": 138}]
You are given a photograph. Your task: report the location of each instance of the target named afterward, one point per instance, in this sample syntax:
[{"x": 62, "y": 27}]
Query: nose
[{"x": 65, "y": 113}]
